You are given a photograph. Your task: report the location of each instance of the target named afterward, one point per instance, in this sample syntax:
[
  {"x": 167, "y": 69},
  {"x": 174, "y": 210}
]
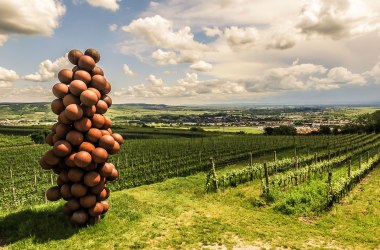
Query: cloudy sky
[{"x": 198, "y": 52}]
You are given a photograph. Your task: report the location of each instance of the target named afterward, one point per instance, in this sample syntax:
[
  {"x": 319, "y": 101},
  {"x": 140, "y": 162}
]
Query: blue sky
[{"x": 197, "y": 52}]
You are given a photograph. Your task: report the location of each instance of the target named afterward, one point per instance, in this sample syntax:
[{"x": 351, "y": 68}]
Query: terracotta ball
[
  {"x": 89, "y": 98},
  {"x": 65, "y": 76},
  {"x": 57, "y": 106},
  {"x": 74, "y": 56},
  {"x": 74, "y": 137},
  {"x": 86, "y": 63},
  {"x": 83, "y": 76},
  {"x": 93, "y": 53},
  {"x": 60, "y": 90},
  {"x": 76, "y": 87}
]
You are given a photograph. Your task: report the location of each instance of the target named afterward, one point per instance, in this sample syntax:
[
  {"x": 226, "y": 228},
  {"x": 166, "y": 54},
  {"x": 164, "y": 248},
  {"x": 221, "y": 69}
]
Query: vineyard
[{"x": 148, "y": 161}]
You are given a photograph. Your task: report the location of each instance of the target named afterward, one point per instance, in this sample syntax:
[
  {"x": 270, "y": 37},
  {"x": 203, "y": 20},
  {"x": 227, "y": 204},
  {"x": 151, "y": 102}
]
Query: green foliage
[
  {"x": 196, "y": 129},
  {"x": 281, "y": 130},
  {"x": 39, "y": 136}
]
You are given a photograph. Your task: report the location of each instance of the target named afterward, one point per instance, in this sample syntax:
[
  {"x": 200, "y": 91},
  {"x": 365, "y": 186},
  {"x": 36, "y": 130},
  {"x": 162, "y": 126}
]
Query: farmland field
[{"x": 178, "y": 211}]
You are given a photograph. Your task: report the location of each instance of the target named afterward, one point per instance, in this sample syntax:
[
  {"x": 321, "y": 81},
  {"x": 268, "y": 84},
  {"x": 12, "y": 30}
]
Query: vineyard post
[
  {"x": 275, "y": 155},
  {"x": 51, "y": 179},
  {"x": 213, "y": 173},
  {"x": 329, "y": 180},
  {"x": 360, "y": 162},
  {"x": 367, "y": 156},
  {"x": 308, "y": 151},
  {"x": 349, "y": 169},
  {"x": 315, "y": 158},
  {"x": 250, "y": 160},
  {"x": 266, "y": 178}
]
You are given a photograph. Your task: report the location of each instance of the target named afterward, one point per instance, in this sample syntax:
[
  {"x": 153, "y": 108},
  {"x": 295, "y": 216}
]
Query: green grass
[{"x": 177, "y": 214}]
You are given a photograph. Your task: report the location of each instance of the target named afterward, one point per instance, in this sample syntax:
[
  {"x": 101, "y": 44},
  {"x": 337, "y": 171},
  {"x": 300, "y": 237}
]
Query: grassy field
[{"x": 177, "y": 214}]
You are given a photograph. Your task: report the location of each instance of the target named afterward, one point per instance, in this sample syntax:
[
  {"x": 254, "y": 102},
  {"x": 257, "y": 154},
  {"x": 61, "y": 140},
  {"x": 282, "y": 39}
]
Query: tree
[{"x": 39, "y": 136}]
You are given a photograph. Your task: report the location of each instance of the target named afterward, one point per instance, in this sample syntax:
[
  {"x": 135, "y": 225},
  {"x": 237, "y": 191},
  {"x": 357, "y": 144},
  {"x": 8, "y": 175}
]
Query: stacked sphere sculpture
[{"x": 82, "y": 140}]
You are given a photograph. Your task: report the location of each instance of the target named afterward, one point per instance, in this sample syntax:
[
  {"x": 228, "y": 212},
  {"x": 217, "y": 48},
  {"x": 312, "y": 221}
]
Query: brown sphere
[
  {"x": 62, "y": 148},
  {"x": 89, "y": 111},
  {"x": 93, "y": 53},
  {"x": 92, "y": 179},
  {"x": 97, "y": 121},
  {"x": 83, "y": 76},
  {"x": 107, "y": 89},
  {"x": 75, "y": 174},
  {"x": 79, "y": 218},
  {"x": 107, "y": 142},
  {"x": 91, "y": 167},
  {"x": 60, "y": 90},
  {"x": 50, "y": 158},
  {"x": 54, "y": 194},
  {"x": 86, "y": 63},
  {"x": 118, "y": 138},
  {"x": 66, "y": 191},
  {"x": 55, "y": 138},
  {"x": 57, "y": 169},
  {"x": 107, "y": 122},
  {"x": 54, "y": 127},
  {"x": 74, "y": 56},
  {"x": 107, "y": 99},
  {"x": 93, "y": 135},
  {"x": 89, "y": 98},
  {"x": 96, "y": 210},
  {"x": 63, "y": 119},
  {"x": 115, "y": 148},
  {"x": 102, "y": 195},
  {"x": 75, "y": 69},
  {"x": 57, "y": 106},
  {"x": 88, "y": 200},
  {"x": 101, "y": 107},
  {"x": 86, "y": 146},
  {"x": 105, "y": 132},
  {"x": 99, "y": 155},
  {"x": 82, "y": 159},
  {"x": 114, "y": 175},
  {"x": 98, "y": 188},
  {"x": 83, "y": 124},
  {"x": 60, "y": 182},
  {"x": 64, "y": 176},
  {"x": 69, "y": 160},
  {"x": 99, "y": 82},
  {"x": 98, "y": 94},
  {"x": 106, "y": 169},
  {"x": 45, "y": 166},
  {"x": 105, "y": 206},
  {"x": 78, "y": 189},
  {"x": 94, "y": 220},
  {"x": 97, "y": 71},
  {"x": 74, "y": 137},
  {"x": 65, "y": 76},
  {"x": 70, "y": 99},
  {"x": 73, "y": 112},
  {"x": 49, "y": 139},
  {"x": 73, "y": 204},
  {"x": 76, "y": 87},
  {"x": 62, "y": 130}
]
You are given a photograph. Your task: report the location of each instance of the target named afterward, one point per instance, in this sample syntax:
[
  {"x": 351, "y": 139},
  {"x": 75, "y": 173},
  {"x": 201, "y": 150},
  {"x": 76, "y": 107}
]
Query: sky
[{"x": 197, "y": 52}]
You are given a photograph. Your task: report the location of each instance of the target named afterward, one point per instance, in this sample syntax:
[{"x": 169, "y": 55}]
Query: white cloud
[
  {"x": 164, "y": 57},
  {"x": 48, "y": 70},
  {"x": 337, "y": 18},
  {"x": 158, "y": 31},
  {"x": 240, "y": 38},
  {"x": 8, "y": 75},
  {"x": 201, "y": 66},
  {"x": 113, "y": 27},
  {"x": 212, "y": 32},
  {"x": 112, "y": 5},
  {"x": 127, "y": 70},
  {"x": 29, "y": 17}
]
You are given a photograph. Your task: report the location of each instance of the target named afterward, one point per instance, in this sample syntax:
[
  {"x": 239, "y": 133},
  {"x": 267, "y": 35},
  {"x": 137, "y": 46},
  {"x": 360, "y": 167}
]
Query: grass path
[{"x": 177, "y": 214}]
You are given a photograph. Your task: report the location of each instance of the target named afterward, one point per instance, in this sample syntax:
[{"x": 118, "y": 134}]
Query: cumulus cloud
[
  {"x": 48, "y": 70},
  {"x": 240, "y": 38},
  {"x": 127, "y": 70},
  {"x": 29, "y": 17},
  {"x": 112, "y": 5},
  {"x": 8, "y": 75},
  {"x": 212, "y": 32},
  {"x": 189, "y": 86},
  {"x": 162, "y": 57},
  {"x": 336, "y": 18},
  {"x": 201, "y": 66},
  {"x": 158, "y": 31}
]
